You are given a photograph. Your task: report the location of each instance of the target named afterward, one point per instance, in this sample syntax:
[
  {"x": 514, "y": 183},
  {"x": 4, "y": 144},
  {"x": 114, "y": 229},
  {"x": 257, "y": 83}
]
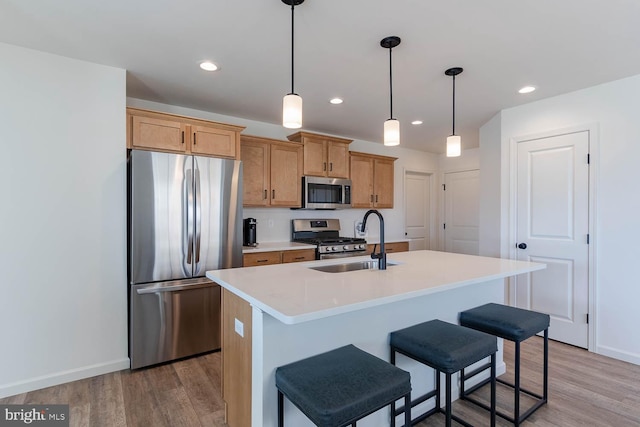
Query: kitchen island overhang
[{"x": 297, "y": 311}]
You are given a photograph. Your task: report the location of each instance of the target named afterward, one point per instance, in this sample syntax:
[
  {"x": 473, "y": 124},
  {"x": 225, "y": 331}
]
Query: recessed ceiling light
[
  {"x": 416, "y": 122},
  {"x": 208, "y": 66},
  {"x": 336, "y": 101},
  {"x": 527, "y": 89}
]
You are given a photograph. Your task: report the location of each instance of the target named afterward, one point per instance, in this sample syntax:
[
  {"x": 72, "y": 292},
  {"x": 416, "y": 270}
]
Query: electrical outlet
[{"x": 239, "y": 326}]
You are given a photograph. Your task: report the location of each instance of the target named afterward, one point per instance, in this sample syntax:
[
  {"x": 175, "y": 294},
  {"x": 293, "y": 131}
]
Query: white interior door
[
  {"x": 417, "y": 187},
  {"x": 461, "y": 212},
  {"x": 552, "y": 228}
]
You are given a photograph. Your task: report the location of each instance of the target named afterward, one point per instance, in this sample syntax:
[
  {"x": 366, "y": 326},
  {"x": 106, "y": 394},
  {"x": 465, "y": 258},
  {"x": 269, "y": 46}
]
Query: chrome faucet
[{"x": 382, "y": 256}]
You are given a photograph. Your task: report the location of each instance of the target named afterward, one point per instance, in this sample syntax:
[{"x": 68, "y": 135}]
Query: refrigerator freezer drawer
[{"x": 173, "y": 320}]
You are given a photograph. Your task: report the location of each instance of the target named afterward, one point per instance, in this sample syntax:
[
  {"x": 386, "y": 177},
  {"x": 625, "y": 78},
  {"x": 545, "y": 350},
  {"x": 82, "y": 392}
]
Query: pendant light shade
[
  {"x": 391, "y": 132},
  {"x": 454, "y": 142},
  {"x": 292, "y": 111},
  {"x": 391, "y": 126},
  {"x": 292, "y": 102},
  {"x": 454, "y": 147}
]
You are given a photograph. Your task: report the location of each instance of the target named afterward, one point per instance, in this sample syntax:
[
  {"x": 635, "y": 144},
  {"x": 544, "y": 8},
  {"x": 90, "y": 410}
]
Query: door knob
[{"x": 522, "y": 246}]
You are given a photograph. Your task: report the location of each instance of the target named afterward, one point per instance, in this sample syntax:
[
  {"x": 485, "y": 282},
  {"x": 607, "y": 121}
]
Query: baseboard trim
[
  {"x": 625, "y": 356},
  {"x": 57, "y": 378}
]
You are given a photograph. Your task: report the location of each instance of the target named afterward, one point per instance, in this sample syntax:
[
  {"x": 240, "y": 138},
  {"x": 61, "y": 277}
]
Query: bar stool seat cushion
[
  {"x": 444, "y": 346},
  {"x": 335, "y": 387},
  {"x": 511, "y": 323}
]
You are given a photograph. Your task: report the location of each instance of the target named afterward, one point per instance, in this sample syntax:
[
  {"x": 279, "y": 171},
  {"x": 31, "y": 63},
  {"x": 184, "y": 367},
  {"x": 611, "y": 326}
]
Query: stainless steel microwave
[{"x": 325, "y": 193}]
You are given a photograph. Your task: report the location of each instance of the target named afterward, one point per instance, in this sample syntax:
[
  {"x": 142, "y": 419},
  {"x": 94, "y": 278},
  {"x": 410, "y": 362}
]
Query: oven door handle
[{"x": 335, "y": 255}]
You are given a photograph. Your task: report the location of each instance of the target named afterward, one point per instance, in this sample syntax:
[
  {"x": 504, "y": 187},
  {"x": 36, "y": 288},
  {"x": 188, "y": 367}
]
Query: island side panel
[
  {"x": 236, "y": 359},
  {"x": 369, "y": 330}
]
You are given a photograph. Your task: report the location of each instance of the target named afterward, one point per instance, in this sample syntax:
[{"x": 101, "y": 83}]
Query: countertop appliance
[
  {"x": 325, "y": 234},
  {"x": 185, "y": 217},
  {"x": 325, "y": 193},
  {"x": 250, "y": 232}
]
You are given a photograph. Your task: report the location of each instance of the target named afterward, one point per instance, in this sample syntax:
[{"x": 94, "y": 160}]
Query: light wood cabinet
[
  {"x": 272, "y": 172},
  {"x": 371, "y": 180},
  {"x": 390, "y": 247},
  {"x": 261, "y": 258},
  {"x": 278, "y": 257},
  {"x": 150, "y": 130},
  {"x": 324, "y": 155},
  {"x": 298, "y": 255},
  {"x": 236, "y": 360}
]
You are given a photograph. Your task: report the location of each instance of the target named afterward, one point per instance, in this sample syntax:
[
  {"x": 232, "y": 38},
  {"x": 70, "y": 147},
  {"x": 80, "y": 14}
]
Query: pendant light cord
[
  {"x": 390, "y": 86},
  {"x": 453, "y": 131},
  {"x": 292, "y": 18}
]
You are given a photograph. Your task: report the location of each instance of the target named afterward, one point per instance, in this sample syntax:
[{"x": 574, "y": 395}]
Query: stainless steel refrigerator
[{"x": 185, "y": 217}]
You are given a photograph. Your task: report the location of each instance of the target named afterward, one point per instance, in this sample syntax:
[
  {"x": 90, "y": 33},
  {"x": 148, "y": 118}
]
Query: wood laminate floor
[{"x": 585, "y": 389}]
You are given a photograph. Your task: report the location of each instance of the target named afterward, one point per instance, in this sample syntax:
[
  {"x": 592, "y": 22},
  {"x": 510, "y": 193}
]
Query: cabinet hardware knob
[
  {"x": 273, "y": 194},
  {"x": 265, "y": 194},
  {"x": 183, "y": 137},
  {"x": 331, "y": 166},
  {"x": 194, "y": 138},
  {"x": 324, "y": 166},
  {"x": 522, "y": 246}
]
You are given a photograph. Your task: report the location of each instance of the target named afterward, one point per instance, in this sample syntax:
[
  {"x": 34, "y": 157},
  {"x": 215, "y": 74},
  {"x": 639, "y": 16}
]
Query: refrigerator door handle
[
  {"x": 189, "y": 214},
  {"x": 173, "y": 288},
  {"x": 198, "y": 218}
]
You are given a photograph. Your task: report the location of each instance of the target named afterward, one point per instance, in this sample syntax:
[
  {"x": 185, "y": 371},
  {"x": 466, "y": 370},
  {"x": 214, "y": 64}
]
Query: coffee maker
[{"x": 250, "y": 232}]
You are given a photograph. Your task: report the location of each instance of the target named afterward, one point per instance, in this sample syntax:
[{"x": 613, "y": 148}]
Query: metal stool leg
[
  {"x": 545, "y": 380},
  {"x": 516, "y": 405},
  {"x": 493, "y": 390},
  {"x": 407, "y": 410},
  {"x": 280, "y": 409},
  {"x": 448, "y": 402},
  {"x": 392, "y": 358}
]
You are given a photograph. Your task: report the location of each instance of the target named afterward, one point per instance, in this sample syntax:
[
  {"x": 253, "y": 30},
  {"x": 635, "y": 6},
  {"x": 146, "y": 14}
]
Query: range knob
[
  {"x": 346, "y": 247},
  {"x": 361, "y": 247},
  {"x": 334, "y": 248}
]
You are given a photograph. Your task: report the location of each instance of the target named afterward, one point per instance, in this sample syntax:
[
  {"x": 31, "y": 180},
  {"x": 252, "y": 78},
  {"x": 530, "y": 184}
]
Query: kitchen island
[{"x": 277, "y": 314}]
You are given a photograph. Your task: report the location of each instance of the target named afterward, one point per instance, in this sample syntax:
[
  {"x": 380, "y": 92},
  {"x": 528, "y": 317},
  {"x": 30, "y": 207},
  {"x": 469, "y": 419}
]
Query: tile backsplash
[{"x": 274, "y": 224}]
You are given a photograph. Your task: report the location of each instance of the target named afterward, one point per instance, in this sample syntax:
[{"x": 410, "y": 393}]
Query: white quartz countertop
[
  {"x": 276, "y": 246},
  {"x": 295, "y": 293}
]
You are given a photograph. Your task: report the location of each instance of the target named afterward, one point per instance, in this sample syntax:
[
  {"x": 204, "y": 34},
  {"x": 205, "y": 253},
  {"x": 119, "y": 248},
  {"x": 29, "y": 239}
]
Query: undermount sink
[{"x": 351, "y": 266}]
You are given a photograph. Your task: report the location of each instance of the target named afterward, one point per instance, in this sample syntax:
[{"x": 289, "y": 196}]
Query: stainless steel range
[{"x": 325, "y": 234}]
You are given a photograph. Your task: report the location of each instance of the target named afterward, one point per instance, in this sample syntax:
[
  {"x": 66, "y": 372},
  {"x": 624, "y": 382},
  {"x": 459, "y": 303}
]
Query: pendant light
[
  {"x": 292, "y": 102},
  {"x": 454, "y": 148},
  {"x": 391, "y": 125}
]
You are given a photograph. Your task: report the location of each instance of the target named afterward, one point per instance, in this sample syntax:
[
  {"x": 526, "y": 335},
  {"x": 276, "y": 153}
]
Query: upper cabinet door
[
  {"x": 212, "y": 141},
  {"x": 383, "y": 183},
  {"x": 324, "y": 155},
  {"x": 371, "y": 180},
  {"x": 154, "y": 133},
  {"x": 256, "y": 173},
  {"x": 286, "y": 175},
  {"x": 151, "y": 130},
  {"x": 315, "y": 157},
  {"x": 337, "y": 159},
  {"x": 361, "y": 182}
]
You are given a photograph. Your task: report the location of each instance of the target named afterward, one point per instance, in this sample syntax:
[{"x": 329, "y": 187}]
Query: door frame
[
  {"x": 594, "y": 150},
  {"x": 433, "y": 238}
]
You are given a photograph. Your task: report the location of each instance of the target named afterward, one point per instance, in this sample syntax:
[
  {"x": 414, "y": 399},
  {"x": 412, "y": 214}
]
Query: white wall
[
  {"x": 614, "y": 108},
  {"x": 62, "y": 220},
  {"x": 274, "y": 224}
]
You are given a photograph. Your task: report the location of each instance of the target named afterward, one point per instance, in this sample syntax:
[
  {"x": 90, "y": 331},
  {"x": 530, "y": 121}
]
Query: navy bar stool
[
  {"x": 513, "y": 324},
  {"x": 446, "y": 348},
  {"x": 339, "y": 387}
]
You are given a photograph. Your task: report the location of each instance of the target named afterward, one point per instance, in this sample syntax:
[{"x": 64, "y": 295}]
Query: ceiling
[{"x": 556, "y": 46}]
